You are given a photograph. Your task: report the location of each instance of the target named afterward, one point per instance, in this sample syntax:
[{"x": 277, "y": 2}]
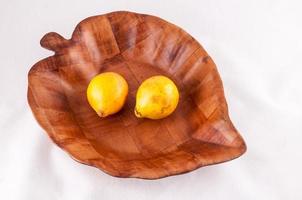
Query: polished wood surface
[{"x": 137, "y": 46}]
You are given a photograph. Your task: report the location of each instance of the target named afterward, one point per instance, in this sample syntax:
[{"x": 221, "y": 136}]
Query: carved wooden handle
[{"x": 53, "y": 41}]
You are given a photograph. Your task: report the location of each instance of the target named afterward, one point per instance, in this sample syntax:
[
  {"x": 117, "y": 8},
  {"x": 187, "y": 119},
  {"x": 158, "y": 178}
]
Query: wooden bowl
[{"x": 137, "y": 46}]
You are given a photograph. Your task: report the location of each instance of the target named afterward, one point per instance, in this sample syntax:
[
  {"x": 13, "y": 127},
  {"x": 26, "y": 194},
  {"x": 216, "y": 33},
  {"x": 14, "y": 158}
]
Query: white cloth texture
[{"x": 257, "y": 47}]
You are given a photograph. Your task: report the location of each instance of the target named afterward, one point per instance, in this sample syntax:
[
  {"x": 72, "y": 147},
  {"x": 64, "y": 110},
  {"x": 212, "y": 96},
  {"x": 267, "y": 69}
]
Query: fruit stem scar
[
  {"x": 100, "y": 113},
  {"x": 138, "y": 114}
]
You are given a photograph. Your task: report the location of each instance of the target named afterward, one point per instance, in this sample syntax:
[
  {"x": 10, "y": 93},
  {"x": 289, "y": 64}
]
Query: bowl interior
[{"x": 123, "y": 136}]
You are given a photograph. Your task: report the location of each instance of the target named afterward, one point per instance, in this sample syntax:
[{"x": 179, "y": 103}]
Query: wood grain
[{"x": 137, "y": 46}]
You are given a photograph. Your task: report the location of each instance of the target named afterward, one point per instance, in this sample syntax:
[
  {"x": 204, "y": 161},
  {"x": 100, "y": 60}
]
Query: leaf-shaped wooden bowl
[{"x": 137, "y": 46}]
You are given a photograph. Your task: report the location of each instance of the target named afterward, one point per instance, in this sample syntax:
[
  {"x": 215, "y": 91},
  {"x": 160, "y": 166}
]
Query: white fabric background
[{"x": 257, "y": 46}]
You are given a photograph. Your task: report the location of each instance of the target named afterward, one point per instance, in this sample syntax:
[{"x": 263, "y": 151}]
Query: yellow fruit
[
  {"x": 156, "y": 98},
  {"x": 106, "y": 93}
]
